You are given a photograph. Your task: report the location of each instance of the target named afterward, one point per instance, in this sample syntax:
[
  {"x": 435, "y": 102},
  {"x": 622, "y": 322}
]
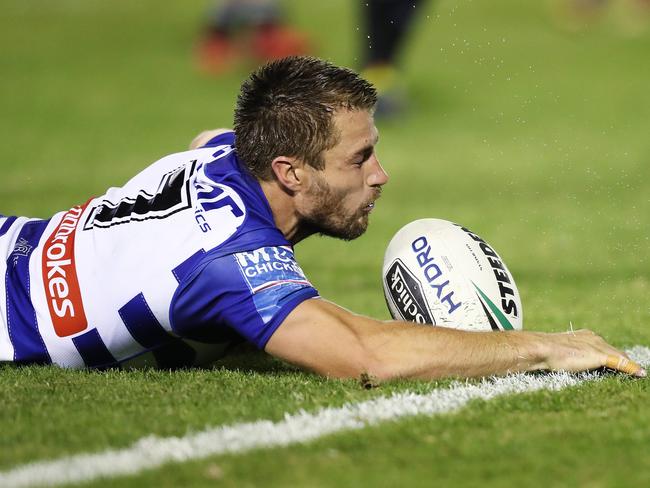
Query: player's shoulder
[
  {"x": 218, "y": 149},
  {"x": 229, "y": 201}
]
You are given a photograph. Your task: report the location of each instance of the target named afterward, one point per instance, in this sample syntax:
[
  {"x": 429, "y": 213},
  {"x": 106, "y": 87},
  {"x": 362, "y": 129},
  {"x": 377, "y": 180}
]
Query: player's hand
[{"x": 584, "y": 350}]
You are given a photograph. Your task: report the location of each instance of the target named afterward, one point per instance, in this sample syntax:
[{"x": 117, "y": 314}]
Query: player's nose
[{"x": 378, "y": 176}]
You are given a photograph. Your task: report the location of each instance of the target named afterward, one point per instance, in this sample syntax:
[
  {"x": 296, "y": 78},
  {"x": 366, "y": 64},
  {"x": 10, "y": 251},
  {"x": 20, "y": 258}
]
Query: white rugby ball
[{"x": 437, "y": 272}]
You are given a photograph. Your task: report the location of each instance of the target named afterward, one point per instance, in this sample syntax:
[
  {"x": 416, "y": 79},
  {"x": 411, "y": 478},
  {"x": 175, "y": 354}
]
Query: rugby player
[{"x": 198, "y": 248}]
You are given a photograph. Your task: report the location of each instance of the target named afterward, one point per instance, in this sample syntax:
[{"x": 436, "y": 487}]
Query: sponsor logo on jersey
[
  {"x": 172, "y": 196},
  {"x": 215, "y": 196},
  {"x": 62, "y": 291},
  {"x": 22, "y": 249},
  {"x": 270, "y": 266},
  {"x": 219, "y": 209},
  {"x": 406, "y": 292}
]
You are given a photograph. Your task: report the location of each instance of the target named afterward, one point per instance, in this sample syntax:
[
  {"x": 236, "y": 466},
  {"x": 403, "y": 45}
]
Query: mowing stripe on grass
[{"x": 152, "y": 452}]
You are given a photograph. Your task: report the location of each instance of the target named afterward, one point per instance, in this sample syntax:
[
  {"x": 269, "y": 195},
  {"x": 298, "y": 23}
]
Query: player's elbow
[{"x": 379, "y": 369}]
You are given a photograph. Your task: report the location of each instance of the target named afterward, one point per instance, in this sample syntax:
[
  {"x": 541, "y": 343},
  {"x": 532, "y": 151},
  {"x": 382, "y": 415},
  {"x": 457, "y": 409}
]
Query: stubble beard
[{"x": 329, "y": 216}]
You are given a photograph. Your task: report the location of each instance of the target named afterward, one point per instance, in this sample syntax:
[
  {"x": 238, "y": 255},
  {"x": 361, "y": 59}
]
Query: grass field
[{"x": 534, "y": 137}]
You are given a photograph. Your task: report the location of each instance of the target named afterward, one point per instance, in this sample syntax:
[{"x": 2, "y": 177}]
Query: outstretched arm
[{"x": 325, "y": 338}]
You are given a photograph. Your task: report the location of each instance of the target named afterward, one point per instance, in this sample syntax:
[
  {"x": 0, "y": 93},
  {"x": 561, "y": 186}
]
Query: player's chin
[
  {"x": 359, "y": 227},
  {"x": 349, "y": 231}
]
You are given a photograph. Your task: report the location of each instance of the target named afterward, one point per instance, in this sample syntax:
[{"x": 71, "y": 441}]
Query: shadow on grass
[{"x": 246, "y": 358}]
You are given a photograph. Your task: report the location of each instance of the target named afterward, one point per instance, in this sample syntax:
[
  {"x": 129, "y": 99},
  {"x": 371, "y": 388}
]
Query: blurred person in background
[
  {"x": 239, "y": 29},
  {"x": 259, "y": 30},
  {"x": 387, "y": 24}
]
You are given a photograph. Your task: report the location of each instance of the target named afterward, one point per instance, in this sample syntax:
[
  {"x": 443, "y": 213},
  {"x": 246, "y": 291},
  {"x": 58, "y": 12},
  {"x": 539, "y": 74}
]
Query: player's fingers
[
  {"x": 605, "y": 347},
  {"x": 612, "y": 351},
  {"x": 624, "y": 365}
]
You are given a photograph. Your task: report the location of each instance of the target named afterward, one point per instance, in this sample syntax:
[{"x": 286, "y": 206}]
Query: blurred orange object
[
  {"x": 216, "y": 54},
  {"x": 274, "y": 41}
]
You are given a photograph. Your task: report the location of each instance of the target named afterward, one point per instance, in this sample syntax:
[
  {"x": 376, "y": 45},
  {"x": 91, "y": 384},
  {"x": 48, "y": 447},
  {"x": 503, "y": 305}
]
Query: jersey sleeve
[{"x": 250, "y": 293}]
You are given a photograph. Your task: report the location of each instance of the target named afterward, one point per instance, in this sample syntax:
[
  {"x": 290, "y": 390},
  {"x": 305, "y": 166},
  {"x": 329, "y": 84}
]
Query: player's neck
[{"x": 284, "y": 212}]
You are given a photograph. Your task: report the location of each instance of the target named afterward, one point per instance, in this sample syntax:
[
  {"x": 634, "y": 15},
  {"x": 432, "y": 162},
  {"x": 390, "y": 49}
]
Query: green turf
[{"x": 534, "y": 137}]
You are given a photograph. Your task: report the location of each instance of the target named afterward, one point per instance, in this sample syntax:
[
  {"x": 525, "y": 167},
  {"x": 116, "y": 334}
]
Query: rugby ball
[{"x": 437, "y": 272}]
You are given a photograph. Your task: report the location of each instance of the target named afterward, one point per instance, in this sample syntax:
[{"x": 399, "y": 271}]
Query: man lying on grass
[{"x": 198, "y": 247}]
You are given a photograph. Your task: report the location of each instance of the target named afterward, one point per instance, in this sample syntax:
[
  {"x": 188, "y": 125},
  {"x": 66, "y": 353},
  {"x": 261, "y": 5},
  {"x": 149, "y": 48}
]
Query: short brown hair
[{"x": 285, "y": 108}]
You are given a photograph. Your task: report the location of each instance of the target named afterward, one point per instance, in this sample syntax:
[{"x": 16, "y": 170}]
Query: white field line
[{"x": 151, "y": 452}]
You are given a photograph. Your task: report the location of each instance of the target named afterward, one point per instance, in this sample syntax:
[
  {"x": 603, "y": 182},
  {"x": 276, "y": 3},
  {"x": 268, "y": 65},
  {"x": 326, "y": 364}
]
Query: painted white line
[{"x": 152, "y": 452}]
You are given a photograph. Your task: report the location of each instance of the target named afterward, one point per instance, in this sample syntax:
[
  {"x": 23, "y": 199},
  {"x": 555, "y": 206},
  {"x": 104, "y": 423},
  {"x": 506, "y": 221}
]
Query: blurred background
[{"x": 528, "y": 122}]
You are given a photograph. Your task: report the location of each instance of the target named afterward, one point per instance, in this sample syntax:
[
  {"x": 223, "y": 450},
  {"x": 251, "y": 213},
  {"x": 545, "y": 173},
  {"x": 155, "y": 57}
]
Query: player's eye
[{"x": 364, "y": 156}]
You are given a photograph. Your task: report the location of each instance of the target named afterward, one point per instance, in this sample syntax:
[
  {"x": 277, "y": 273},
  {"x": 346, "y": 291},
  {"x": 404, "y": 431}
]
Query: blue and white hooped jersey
[{"x": 187, "y": 251}]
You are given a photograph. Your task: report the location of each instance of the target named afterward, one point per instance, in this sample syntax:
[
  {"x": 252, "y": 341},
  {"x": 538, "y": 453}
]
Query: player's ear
[{"x": 288, "y": 172}]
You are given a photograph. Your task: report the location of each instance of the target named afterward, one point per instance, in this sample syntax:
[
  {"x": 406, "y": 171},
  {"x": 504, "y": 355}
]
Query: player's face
[{"x": 342, "y": 195}]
